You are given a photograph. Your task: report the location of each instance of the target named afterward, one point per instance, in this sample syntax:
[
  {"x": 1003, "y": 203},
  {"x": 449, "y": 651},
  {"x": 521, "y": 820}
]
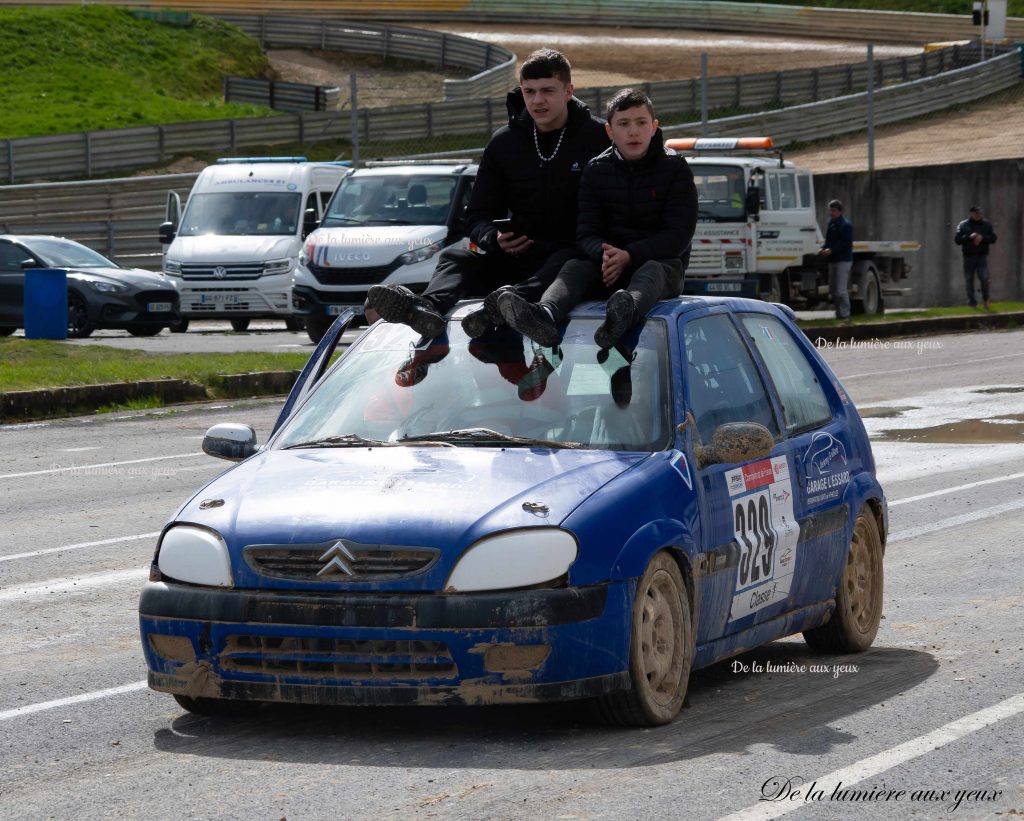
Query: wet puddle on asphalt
[
  {"x": 952, "y": 417},
  {"x": 998, "y": 430},
  {"x": 885, "y": 413}
]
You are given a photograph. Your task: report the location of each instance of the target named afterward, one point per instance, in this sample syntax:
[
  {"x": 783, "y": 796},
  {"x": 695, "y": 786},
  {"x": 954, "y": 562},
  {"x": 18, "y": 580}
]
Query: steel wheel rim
[
  {"x": 660, "y": 648},
  {"x": 860, "y": 580}
]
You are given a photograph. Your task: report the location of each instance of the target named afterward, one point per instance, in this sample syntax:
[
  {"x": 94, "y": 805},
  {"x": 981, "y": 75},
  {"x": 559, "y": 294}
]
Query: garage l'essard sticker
[{"x": 761, "y": 498}]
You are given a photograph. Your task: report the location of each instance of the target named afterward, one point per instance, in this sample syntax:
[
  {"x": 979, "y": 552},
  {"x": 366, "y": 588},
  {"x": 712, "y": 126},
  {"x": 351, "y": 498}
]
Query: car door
[
  {"x": 12, "y": 283},
  {"x": 818, "y": 441},
  {"x": 750, "y": 534}
]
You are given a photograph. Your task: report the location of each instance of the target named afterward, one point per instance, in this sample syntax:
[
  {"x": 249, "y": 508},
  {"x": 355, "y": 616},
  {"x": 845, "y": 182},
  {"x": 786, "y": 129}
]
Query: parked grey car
[{"x": 101, "y": 293}]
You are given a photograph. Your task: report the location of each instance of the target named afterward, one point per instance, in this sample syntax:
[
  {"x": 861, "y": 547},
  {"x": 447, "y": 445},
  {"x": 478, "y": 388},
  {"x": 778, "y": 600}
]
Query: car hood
[
  {"x": 445, "y": 498},
  {"x": 143, "y": 280},
  {"x": 214, "y": 249},
  {"x": 368, "y": 245}
]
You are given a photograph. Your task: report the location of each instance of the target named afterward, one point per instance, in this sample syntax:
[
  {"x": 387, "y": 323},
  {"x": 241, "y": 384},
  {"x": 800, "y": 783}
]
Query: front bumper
[
  {"x": 380, "y": 648},
  {"x": 308, "y": 301},
  {"x": 202, "y": 300},
  {"x": 120, "y": 311}
]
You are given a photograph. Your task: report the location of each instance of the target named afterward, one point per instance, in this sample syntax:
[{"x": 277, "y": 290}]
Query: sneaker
[
  {"x": 535, "y": 381},
  {"x": 619, "y": 315},
  {"x": 529, "y": 319},
  {"x": 396, "y": 303},
  {"x": 414, "y": 369},
  {"x": 487, "y": 316}
]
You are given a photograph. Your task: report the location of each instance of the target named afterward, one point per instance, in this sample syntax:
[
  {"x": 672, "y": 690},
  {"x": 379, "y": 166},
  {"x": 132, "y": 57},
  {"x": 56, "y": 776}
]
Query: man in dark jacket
[
  {"x": 838, "y": 248},
  {"x": 974, "y": 235},
  {"x": 638, "y": 212},
  {"x": 530, "y": 172}
]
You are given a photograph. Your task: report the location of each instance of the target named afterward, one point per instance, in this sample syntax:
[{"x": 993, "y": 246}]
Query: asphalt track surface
[{"x": 937, "y": 704}]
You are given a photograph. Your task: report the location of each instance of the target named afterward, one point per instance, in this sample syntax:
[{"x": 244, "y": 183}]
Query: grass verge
[
  {"x": 30, "y": 364},
  {"x": 896, "y": 316}
]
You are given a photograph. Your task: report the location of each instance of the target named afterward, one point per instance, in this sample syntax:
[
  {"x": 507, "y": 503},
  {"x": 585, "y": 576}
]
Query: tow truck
[{"x": 758, "y": 236}]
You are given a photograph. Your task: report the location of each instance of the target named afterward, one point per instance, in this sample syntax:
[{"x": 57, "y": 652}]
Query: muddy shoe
[
  {"x": 396, "y": 303},
  {"x": 487, "y": 316},
  {"x": 529, "y": 319},
  {"x": 619, "y": 314}
]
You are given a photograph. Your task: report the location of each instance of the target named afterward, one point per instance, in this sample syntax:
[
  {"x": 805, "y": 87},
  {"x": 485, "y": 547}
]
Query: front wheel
[
  {"x": 317, "y": 325},
  {"x": 660, "y": 653},
  {"x": 144, "y": 330},
  {"x": 79, "y": 326},
  {"x": 854, "y": 623},
  {"x": 294, "y": 324},
  {"x": 870, "y": 300},
  {"x": 240, "y": 324}
]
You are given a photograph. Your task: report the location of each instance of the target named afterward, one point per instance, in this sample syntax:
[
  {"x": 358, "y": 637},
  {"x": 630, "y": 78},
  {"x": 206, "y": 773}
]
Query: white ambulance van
[{"x": 234, "y": 250}]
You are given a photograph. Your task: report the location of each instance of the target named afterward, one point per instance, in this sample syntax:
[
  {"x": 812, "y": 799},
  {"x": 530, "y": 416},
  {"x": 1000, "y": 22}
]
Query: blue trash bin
[{"x": 46, "y": 303}]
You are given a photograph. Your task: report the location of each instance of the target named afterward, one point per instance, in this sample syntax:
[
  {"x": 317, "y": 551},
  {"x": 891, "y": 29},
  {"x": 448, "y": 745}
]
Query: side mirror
[
  {"x": 25, "y": 264},
  {"x": 231, "y": 441},
  {"x": 736, "y": 442},
  {"x": 753, "y": 201},
  {"x": 166, "y": 233},
  {"x": 309, "y": 222}
]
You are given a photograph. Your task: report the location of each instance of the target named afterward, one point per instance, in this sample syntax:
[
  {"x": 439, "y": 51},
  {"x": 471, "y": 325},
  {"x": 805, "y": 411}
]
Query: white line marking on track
[
  {"x": 955, "y": 521},
  {"x": 87, "y": 468},
  {"x": 887, "y": 759},
  {"x": 63, "y": 702},
  {"x": 79, "y": 546},
  {"x": 955, "y": 488},
  {"x": 76, "y": 585},
  {"x": 929, "y": 367}
]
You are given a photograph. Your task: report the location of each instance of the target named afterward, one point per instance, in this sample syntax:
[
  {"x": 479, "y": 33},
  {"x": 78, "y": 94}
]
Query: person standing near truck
[
  {"x": 522, "y": 212},
  {"x": 974, "y": 235},
  {"x": 838, "y": 248}
]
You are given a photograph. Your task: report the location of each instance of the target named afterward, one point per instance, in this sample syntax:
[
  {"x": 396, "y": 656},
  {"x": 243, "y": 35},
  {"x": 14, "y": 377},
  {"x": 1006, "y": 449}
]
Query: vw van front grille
[
  {"x": 211, "y": 270},
  {"x": 327, "y": 658}
]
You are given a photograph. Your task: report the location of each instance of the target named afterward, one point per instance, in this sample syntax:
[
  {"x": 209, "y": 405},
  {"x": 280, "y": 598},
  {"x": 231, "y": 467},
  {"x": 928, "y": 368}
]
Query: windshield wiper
[
  {"x": 484, "y": 435},
  {"x": 345, "y": 440}
]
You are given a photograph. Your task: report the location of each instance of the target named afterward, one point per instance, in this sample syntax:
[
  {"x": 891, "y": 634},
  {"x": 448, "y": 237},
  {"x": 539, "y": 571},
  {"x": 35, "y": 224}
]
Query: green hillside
[{"x": 83, "y": 68}]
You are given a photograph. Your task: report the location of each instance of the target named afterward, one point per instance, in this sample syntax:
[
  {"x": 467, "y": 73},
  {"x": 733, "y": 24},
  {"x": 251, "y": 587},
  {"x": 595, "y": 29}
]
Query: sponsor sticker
[{"x": 826, "y": 469}]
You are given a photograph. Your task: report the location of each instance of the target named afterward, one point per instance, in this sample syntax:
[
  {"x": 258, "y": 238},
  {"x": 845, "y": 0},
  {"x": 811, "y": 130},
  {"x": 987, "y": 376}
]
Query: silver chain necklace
[{"x": 536, "y": 144}]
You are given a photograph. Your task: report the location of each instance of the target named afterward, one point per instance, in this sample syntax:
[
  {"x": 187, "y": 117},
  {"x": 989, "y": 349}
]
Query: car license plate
[
  {"x": 338, "y": 310},
  {"x": 158, "y": 307},
  {"x": 225, "y": 298},
  {"x": 724, "y": 286}
]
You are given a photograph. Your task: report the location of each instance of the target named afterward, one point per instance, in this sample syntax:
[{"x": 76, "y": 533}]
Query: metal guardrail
[
  {"x": 120, "y": 217},
  {"x": 281, "y": 96}
]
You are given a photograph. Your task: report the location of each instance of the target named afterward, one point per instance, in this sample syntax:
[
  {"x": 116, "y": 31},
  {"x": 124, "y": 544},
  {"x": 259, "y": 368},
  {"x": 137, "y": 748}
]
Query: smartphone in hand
[{"x": 503, "y": 226}]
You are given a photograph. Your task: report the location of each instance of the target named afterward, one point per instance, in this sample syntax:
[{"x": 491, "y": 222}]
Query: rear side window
[
  {"x": 804, "y": 404},
  {"x": 722, "y": 382}
]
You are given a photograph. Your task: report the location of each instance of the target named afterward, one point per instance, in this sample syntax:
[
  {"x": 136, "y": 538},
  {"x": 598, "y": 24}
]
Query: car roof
[
  {"x": 674, "y": 307},
  {"x": 416, "y": 169},
  {"x": 27, "y": 238}
]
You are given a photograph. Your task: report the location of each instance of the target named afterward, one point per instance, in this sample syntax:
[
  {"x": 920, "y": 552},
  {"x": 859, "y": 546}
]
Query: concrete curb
[{"x": 18, "y": 406}]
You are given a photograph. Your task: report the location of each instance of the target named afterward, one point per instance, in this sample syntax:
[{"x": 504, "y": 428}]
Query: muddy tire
[
  {"x": 215, "y": 706},
  {"x": 660, "y": 653},
  {"x": 854, "y": 623}
]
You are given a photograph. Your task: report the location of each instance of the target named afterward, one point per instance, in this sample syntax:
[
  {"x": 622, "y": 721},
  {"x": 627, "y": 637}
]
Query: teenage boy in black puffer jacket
[
  {"x": 531, "y": 172},
  {"x": 637, "y": 215}
]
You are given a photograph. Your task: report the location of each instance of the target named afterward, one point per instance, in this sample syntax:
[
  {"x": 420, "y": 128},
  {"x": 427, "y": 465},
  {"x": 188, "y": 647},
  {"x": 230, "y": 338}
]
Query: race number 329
[{"x": 757, "y": 538}]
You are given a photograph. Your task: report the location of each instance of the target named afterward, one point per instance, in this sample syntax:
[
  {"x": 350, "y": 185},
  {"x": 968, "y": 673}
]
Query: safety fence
[
  {"x": 120, "y": 217},
  {"x": 715, "y": 15},
  {"x": 90, "y": 154},
  {"x": 280, "y": 96}
]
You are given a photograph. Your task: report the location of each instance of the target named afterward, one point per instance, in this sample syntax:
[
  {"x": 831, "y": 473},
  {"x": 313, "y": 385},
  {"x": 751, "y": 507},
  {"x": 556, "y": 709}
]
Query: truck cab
[{"x": 234, "y": 250}]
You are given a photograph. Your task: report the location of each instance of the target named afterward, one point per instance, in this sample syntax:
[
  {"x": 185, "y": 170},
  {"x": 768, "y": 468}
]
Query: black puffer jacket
[
  {"x": 647, "y": 207},
  {"x": 963, "y": 237},
  {"x": 541, "y": 196}
]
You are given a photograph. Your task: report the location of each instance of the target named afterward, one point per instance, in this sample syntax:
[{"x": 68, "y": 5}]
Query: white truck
[
  {"x": 234, "y": 250},
  {"x": 385, "y": 224},
  {"x": 758, "y": 234}
]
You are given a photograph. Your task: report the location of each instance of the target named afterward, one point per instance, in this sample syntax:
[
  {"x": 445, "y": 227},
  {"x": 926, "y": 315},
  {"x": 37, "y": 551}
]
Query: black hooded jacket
[
  {"x": 647, "y": 207},
  {"x": 540, "y": 196}
]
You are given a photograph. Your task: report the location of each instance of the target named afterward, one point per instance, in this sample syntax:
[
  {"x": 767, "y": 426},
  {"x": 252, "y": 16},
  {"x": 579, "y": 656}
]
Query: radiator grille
[{"x": 349, "y": 562}]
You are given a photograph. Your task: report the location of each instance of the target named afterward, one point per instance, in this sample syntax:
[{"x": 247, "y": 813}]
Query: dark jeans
[
  {"x": 580, "y": 279},
  {"x": 461, "y": 273},
  {"x": 976, "y": 265}
]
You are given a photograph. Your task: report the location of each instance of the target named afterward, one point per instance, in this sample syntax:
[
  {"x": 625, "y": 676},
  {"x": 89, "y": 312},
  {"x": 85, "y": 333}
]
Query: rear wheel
[
  {"x": 870, "y": 298},
  {"x": 79, "y": 326},
  {"x": 661, "y": 650},
  {"x": 215, "y": 706},
  {"x": 240, "y": 324},
  {"x": 854, "y": 623}
]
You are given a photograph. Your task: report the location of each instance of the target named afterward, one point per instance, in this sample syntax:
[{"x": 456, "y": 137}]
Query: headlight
[
  {"x": 108, "y": 287},
  {"x": 519, "y": 558},
  {"x": 195, "y": 555},
  {"x": 420, "y": 254},
  {"x": 277, "y": 266},
  {"x": 172, "y": 267}
]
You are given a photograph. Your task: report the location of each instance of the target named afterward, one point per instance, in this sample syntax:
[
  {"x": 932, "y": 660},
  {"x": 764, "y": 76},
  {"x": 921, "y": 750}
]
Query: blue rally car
[{"x": 476, "y": 521}]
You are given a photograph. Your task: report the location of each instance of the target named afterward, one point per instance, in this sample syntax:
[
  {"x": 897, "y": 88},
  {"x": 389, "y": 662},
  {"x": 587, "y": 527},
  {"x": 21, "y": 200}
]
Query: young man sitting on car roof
[
  {"x": 637, "y": 215},
  {"x": 530, "y": 171}
]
